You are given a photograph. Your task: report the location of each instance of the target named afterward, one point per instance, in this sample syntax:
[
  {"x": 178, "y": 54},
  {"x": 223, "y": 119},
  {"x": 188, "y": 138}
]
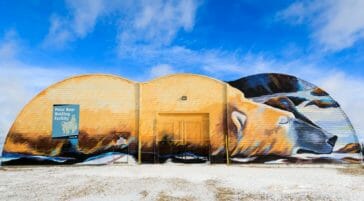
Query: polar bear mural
[{"x": 177, "y": 118}]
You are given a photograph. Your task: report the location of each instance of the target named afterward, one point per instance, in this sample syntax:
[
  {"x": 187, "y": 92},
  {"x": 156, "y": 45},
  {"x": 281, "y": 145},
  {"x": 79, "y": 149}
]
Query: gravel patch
[{"x": 181, "y": 182}]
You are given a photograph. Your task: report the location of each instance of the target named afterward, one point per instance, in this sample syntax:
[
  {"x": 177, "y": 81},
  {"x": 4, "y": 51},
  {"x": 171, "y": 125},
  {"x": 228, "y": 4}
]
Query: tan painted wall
[
  {"x": 163, "y": 95},
  {"x": 107, "y": 105}
]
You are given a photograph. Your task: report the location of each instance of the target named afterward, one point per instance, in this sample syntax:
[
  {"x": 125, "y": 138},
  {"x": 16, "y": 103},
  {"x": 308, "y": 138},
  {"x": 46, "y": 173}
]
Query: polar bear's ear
[{"x": 239, "y": 120}]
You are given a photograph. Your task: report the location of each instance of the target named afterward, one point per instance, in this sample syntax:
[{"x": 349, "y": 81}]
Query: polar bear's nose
[{"x": 331, "y": 141}]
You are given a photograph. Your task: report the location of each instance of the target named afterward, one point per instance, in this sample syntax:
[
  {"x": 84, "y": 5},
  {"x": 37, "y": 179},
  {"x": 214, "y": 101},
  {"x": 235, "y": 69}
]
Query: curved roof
[
  {"x": 184, "y": 75},
  {"x": 104, "y": 86},
  {"x": 316, "y": 104}
]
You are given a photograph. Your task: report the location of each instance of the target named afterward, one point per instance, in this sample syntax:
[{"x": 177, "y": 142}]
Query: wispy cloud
[
  {"x": 161, "y": 70},
  {"x": 9, "y": 45},
  {"x": 141, "y": 22},
  {"x": 155, "y": 24},
  {"x": 19, "y": 81},
  {"x": 81, "y": 21},
  {"x": 335, "y": 24}
]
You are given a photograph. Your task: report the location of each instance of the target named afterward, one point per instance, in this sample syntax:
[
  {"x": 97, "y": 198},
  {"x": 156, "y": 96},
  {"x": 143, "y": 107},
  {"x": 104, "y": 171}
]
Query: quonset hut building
[{"x": 98, "y": 119}]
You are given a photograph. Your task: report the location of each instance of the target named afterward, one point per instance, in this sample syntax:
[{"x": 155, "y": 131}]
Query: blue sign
[{"x": 65, "y": 122}]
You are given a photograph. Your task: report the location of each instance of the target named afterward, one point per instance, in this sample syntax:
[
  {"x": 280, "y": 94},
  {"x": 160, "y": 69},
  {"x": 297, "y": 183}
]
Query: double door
[{"x": 183, "y": 137}]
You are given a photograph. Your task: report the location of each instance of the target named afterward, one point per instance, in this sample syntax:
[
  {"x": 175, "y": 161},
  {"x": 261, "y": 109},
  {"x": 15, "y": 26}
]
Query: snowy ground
[{"x": 182, "y": 182}]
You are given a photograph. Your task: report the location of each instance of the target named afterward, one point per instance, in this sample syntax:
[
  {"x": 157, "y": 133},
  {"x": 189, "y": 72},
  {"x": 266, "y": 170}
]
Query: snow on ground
[{"x": 182, "y": 182}]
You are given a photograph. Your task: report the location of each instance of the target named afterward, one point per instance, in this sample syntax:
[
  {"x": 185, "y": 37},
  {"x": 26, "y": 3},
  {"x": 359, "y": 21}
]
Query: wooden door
[{"x": 181, "y": 134}]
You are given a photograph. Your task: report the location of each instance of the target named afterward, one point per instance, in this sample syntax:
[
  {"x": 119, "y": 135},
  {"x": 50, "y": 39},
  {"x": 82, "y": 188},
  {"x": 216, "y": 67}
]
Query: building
[{"x": 97, "y": 119}]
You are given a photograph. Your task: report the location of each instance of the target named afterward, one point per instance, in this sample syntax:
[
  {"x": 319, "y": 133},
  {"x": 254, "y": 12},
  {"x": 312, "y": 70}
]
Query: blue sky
[{"x": 42, "y": 42}]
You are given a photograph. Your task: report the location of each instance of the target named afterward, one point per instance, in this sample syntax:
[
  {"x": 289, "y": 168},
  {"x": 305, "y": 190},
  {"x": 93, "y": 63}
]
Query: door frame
[{"x": 155, "y": 130}]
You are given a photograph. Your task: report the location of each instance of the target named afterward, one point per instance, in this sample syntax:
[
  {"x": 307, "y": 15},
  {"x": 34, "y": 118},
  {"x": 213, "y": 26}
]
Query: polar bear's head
[{"x": 259, "y": 129}]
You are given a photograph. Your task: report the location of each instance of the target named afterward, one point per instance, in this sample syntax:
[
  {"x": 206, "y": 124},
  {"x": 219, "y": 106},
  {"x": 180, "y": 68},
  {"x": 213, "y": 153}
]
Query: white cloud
[
  {"x": 159, "y": 21},
  {"x": 58, "y": 34},
  {"x": 218, "y": 63},
  {"x": 161, "y": 70},
  {"x": 19, "y": 82},
  {"x": 335, "y": 24},
  {"x": 85, "y": 15},
  {"x": 9, "y": 45},
  {"x": 82, "y": 20},
  {"x": 154, "y": 24},
  {"x": 141, "y": 22}
]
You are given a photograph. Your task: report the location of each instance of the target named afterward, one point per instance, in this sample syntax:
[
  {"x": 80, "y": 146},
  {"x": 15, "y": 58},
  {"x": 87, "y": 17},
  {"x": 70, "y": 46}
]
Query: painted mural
[
  {"x": 182, "y": 118},
  {"x": 106, "y": 131},
  {"x": 322, "y": 131}
]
